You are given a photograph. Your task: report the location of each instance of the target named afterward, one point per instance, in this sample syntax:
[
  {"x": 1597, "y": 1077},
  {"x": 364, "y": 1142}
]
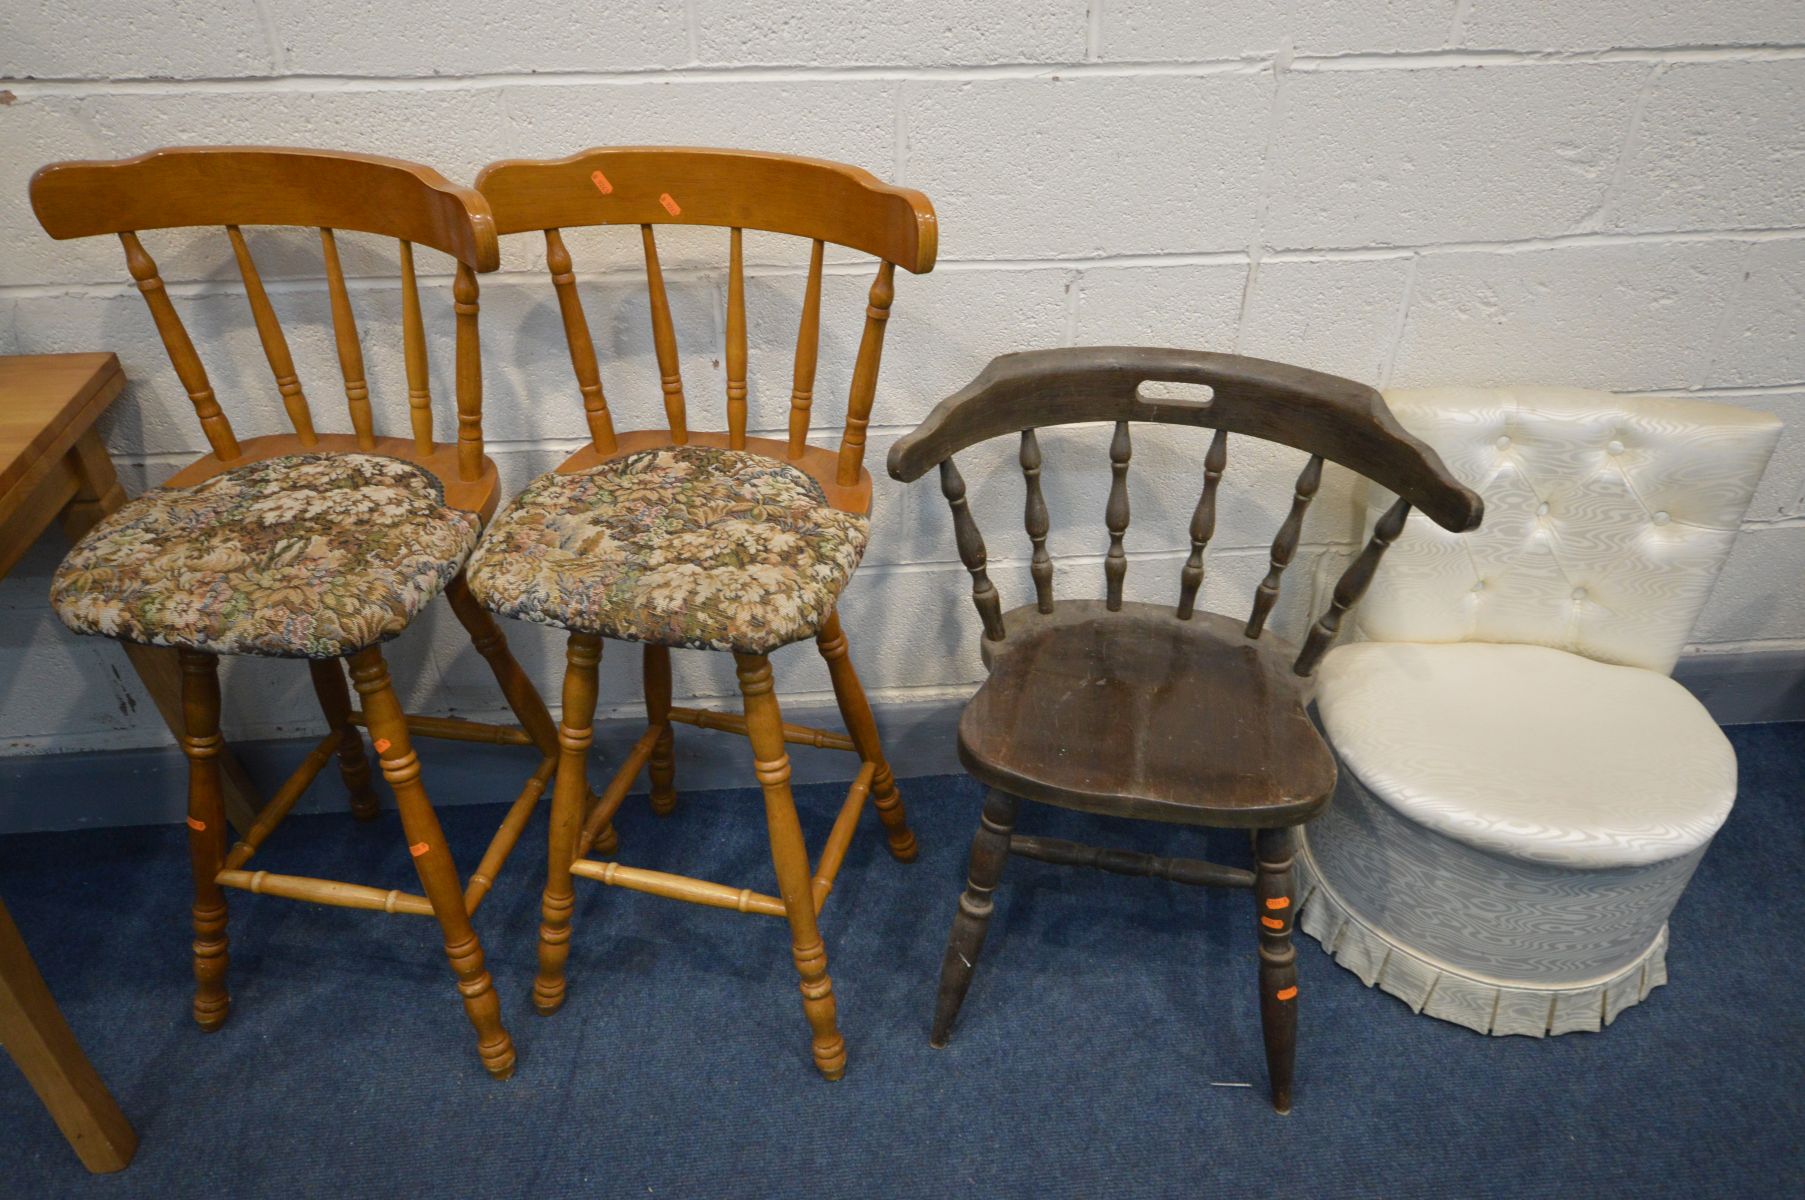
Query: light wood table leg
[
  {"x": 157, "y": 666},
  {"x": 39, "y": 1040}
]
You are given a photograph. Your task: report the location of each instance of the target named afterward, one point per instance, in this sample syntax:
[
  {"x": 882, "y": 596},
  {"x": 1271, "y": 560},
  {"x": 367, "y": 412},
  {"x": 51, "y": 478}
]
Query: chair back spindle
[
  {"x": 1285, "y": 545},
  {"x": 350, "y": 351},
  {"x": 581, "y": 346},
  {"x": 1329, "y": 418},
  {"x": 1203, "y": 525},
  {"x": 413, "y": 338},
  {"x": 1352, "y": 585},
  {"x": 275, "y": 343},
  {"x": 808, "y": 345},
  {"x": 864, "y": 374},
  {"x": 182, "y": 355},
  {"x": 664, "y": 341},
  {"x": 1115, "y": 516},
  {"x": 1035, "y": 518},
  {"x": 469, "y": 374},
  {"x": 736, "y": 342},
  {"x": 971, "y": 552}
]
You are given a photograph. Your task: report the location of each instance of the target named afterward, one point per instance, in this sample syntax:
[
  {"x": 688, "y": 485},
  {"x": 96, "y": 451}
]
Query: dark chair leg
[
  {"x": 1277, "y": 908},
  {"x": 206, "y": 834},
  {"x": 353, "y": 765},
  {"x": 989, "y": 851}
]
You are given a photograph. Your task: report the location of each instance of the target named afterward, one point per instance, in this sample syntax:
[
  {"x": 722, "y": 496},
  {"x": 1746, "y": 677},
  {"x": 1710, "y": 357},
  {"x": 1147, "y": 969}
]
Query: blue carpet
[{"x": 1102, "y": 1016}]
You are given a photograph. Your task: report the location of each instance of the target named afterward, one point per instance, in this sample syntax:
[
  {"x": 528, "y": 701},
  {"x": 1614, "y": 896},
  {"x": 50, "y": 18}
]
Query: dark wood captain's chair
[{"x": 1160, "y": 713}]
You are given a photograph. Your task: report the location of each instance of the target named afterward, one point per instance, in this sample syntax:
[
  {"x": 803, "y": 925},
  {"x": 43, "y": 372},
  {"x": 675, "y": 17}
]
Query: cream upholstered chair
[{"x": 1524, "y": 791}]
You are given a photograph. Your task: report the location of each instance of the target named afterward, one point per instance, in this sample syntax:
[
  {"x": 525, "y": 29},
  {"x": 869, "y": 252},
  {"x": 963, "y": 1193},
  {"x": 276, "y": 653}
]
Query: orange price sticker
[
  {"x": 195, "y": 825},
  {"x": 419, "y": 848},
  {"x": 1272, "y": 922},
  {"x": 601, "y": 183},
  {"x": 382, "y": 745},
  {"x": 670, "y": 205},
  {"x": 1278, "y": 902},
  {"x": 1289, "y": 993}
]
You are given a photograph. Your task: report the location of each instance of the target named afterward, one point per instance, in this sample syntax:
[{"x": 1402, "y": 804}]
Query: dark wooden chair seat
[{"x": 1221, "y": 735}]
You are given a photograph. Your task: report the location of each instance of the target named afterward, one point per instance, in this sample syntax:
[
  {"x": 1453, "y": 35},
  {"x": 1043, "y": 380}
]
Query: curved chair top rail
[
  {"x": 266, "y": 185},
  {"x": 1325, "y": 415},
  {"x": 746, "y": 189}
]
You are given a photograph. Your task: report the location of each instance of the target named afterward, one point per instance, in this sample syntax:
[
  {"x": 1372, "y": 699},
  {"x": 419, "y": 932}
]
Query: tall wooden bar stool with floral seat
[
  {"x": 307, "y": 545},
  {"x": 1147, "y": 711},
  {"x": 715, "y": 541}
]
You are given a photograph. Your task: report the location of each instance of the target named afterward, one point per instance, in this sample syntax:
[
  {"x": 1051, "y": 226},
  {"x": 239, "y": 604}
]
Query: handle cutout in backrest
[{"x": 1173, "y": 393}]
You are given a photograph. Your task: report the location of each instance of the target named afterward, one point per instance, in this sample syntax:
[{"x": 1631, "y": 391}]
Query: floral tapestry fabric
[
  {"x": 681, "y": 546},
  {"x": 305, "y": 556}
]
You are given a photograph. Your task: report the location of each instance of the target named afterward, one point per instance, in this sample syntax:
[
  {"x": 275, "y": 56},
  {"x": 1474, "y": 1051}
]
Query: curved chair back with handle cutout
[
  {"x": 1609, "y": 518},
  {"x": 737, "y": 189},
  {"x": 1329, "y": 418},
  {"x": 239, "y": 186}
]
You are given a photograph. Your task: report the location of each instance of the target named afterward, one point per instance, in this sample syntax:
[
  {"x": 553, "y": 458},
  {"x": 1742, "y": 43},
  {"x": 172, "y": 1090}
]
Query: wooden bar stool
[
  {"x": 1145, "y": 711},
  {"x": 307, "y": 545},
  {"x": 712, "y": 541}
]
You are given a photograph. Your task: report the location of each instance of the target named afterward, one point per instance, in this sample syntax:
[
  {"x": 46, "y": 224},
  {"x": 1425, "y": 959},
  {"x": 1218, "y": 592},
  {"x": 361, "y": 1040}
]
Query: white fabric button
[
  {"x": 1541, "y": 510},
  {"x": 1662, "y": 518},
  {"x": 1615, "y": 447},
  {"x": 1579, "y": 593},
  {"x": 1503, "y": 443}
]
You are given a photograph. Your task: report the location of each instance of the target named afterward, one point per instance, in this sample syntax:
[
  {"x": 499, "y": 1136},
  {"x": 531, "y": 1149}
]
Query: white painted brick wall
[{"x": 1405, "y": 191}]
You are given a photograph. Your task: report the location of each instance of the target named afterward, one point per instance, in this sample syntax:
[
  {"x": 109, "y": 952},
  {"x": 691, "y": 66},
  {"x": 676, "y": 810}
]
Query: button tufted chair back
[{"x": 1607, "y": 519}]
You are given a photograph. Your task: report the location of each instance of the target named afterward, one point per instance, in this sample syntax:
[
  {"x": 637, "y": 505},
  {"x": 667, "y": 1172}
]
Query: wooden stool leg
[
  {"x": 662, "y": 766},
  {"x": 575, "y": 736},
  {"x": 1277, "y": 907},
  {"x": 989, "y": 853},
  {"x": 855, "y": 710},
  {"x": 432, "y": 858},
  {"x": 353, "y": 766},
  {"x": 206, "y": 834},
  {"x": 764, "y": 728},
  {"x": 523, "y": 698}
]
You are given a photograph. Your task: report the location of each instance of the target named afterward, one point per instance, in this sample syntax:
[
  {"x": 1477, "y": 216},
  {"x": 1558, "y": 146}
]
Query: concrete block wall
[{"x": 1405, "y": 191}]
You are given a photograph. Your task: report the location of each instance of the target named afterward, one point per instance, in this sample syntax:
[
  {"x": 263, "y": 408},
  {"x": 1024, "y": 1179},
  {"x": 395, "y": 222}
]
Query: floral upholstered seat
[
  {"x": 305, "y": 556},
  {"x": 682, "y": 546}
]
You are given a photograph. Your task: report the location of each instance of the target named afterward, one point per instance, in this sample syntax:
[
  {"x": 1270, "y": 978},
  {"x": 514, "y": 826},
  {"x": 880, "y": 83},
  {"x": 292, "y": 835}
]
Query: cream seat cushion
[{"x": 1530, "y": 752}]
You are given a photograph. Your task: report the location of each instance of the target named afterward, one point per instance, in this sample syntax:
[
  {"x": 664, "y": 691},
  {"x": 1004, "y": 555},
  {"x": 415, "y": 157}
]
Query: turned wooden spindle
[
  {"x": 1285, "y": 545},
  {"x": 736, "y": 341},
  {"x": 661, "y": 767},
  {"x": 350, "y": 351},
  {"x": 576, "y": 733},
  {"x": 1203, "y": 525},
  {"x": 580, "y": 344},
  {"x": 855, "y": 710},
  {"x": 971, "y": 551},
  {"x": 275, "y": 344},
  {"x": 1037, "y": 521},
  {"x": 1275, "y": 903},
  {"x": 469, "y": 374},
  {"x": 664, "y": 341},
  {"x": 789, "y": 855},
  {"x": 432, "y": 858},
  {"x": 864, "y": 375},
  {"x": 808, "y": 345},
  {"x": 180, "y": 349},
  {"x": 1351, "y": 586},
  {"x": 202, "y": 745},
  {"x": 335, "y": 702},
  {"x": 1115, "y": 516},
  {"x": 413, "y": 340}
]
